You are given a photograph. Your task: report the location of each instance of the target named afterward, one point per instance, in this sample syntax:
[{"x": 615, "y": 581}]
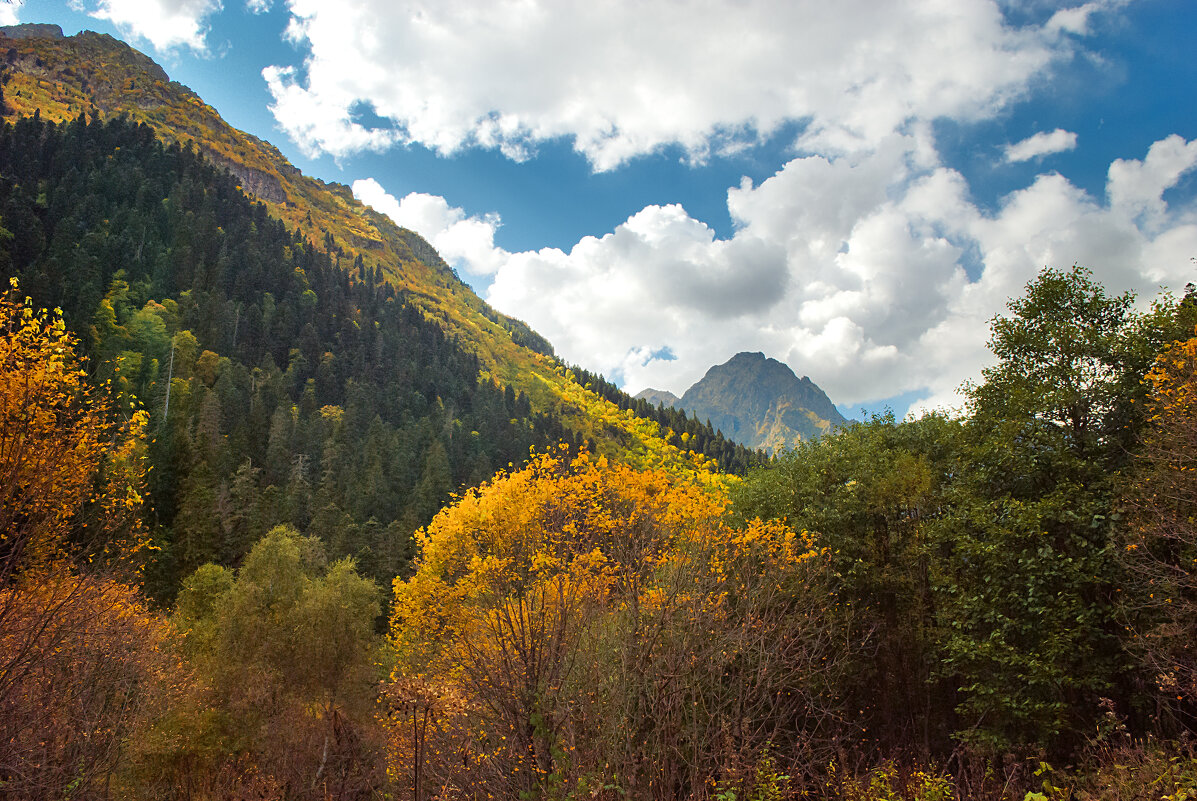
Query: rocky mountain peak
[{"x": 759, "y": 402}]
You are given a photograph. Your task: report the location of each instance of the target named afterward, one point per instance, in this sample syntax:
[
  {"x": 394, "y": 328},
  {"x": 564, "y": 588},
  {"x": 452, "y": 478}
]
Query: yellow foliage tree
[
  {"x": 545, "y": 610},
  {"x": 1161, "y": 544},
  {"x": 71, "y": 474},
  {"x": 512, "y": 577},
  {"x": 67, "y": 461}
]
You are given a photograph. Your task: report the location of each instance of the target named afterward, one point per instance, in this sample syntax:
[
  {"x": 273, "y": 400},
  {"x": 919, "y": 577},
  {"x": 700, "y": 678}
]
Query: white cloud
[
  {"x": 258, "y": 6},
  {"x": 627, "y": 77},
  {"x": 166, "y": 24},
  {"x": 1135, "y": 187},
  {"x": 1041, "y": 144},
  {"x": 466, "y": 243},
  {"x": 853, "y": 270},
  {"x": 10, "y": 12}
]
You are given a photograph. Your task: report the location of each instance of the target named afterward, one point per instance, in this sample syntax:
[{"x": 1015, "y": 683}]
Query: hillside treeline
[
  {"x": 283, "y": 383},
  {"x": 693, "y": 435}
]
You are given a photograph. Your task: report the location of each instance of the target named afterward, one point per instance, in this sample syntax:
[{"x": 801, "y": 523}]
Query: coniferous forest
[
  {"x": 302, "y": 388},
  {"x": 267, "y": 531}
]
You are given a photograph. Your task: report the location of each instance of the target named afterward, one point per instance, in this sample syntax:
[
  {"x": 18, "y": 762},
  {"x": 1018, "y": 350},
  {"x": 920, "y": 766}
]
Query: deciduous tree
[
  {"x": 598, "y": 626},
  {"x": 73, "y": 642},
  {"x": 1160, "y": 543}
]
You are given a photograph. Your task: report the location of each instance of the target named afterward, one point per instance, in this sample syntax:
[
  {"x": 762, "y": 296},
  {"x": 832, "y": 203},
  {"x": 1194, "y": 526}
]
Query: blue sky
[{"x": 854, "y": 188}]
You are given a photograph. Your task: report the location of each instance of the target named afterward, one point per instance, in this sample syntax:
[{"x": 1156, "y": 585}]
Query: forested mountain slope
[
  {"x": 302, "y": 360},
  {"x": 62, "y": 77},
  {"x": 284, "y": 382}
]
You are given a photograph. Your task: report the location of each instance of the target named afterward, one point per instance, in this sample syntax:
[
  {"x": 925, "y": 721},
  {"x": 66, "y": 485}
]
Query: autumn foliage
[
  {"x": 586, "y": 626},
  {"x": 67, "y": 461},
  {"x": 83, "y": 652},
  {"x": 75, "y": 641},
  {"x": 1161, "y": 544}
]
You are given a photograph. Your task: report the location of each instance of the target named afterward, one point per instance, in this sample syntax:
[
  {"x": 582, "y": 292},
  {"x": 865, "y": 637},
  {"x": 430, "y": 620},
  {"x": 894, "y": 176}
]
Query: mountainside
[
  {"x": 760, "y": 403},
  {"x": 694, "y": 433},
  {"x": 59, "y": 78},
  {"x": 301, "y": 359},
  {"x": 283, "y": 383}
]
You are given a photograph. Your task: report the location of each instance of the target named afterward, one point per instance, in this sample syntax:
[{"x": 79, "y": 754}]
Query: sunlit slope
[{"x": 61, "y": 77}]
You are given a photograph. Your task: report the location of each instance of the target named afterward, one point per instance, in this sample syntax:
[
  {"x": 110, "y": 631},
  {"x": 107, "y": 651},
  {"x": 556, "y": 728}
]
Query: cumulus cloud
[
  {"x": 10, "y": 12},
  {"x": 853, "y": 270},
  {"x": 1136, "y": 187},
  {"x": 626, "y": 77},
  {"x": 467, "y": 243},
  {"x": 166, "y": 24},
  {"x": 1041, "y": 144}
]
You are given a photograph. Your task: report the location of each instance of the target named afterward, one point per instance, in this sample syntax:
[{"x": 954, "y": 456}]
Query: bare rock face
[
  {"x": 31, "y": 30},
  {"x": 257, "y": 182},
  {"x": 759, "y": 402}
]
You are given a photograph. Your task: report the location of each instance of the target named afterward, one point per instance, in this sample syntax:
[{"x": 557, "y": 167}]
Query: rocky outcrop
[
  {"x": 31, "y": 30},
  {"x": 262, "y": 184}
]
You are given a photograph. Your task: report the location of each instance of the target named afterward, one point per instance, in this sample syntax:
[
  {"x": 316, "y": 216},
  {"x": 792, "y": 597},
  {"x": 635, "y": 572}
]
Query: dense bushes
[{"x": 946, "y": 599}]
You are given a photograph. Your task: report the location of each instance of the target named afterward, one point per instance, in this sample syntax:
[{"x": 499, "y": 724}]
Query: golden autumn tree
[
  {"x": 512, "y": 577},
  {"x": 1161, "y": 544},
  {"x": 67, "y": 461},
  {"x": 572, "y": 625},
  {"x": 72, "y": 630}
]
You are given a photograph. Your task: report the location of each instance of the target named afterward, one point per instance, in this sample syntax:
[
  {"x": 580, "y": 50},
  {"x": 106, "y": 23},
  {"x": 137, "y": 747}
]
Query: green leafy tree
[
  {"x": 1030, "y": 582},
  {"x": 282, "y": 655},
  {"x": 870, "y": 494}
]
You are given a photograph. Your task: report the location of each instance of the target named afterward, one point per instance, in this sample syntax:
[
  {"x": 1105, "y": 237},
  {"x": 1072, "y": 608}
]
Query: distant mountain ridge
[
  {"x": 658, "y": 397},
  {"x": 758, "y": 402}
]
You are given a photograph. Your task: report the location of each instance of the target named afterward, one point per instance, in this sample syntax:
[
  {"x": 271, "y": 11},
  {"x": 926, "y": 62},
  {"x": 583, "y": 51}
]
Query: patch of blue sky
[
  {"x": 554, "y": 198},
  {"x": 898, "y": 404},
  {"x": 1119, "y": 96},
  {"x": 664, "y": 354},
  {"x": 363, "y": 113}
]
